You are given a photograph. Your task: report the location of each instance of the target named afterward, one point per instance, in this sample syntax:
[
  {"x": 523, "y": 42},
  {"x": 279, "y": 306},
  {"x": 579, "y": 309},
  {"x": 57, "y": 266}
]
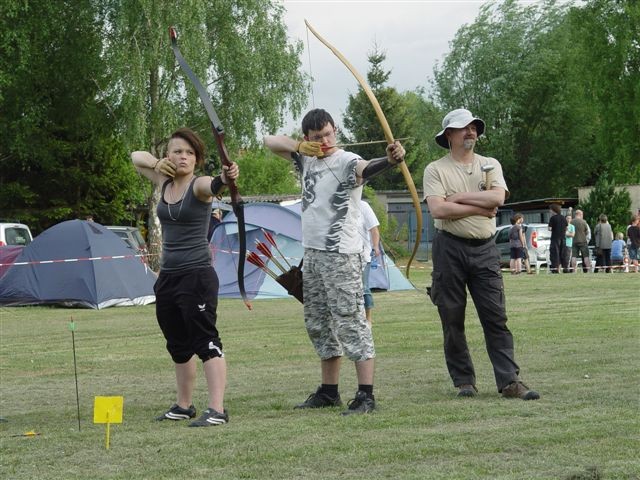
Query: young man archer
[{"x": 334, "y": 311}]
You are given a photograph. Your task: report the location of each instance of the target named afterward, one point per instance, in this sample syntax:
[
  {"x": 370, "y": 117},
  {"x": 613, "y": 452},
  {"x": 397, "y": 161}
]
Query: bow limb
[
  {"x": 387, "y": 135},
  {"x": 218, "y": 133}
]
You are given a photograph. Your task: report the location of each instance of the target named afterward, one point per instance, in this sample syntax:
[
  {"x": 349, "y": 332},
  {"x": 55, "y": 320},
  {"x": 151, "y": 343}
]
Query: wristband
[
  {"x": 216, "y": 185},
  {"x": 376, "y": 167},
  {"x": 156, "y": 164}
]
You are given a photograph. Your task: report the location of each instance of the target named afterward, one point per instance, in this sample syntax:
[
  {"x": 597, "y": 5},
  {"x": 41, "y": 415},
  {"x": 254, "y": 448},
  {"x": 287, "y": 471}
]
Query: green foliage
[
  {"x": 362, "y": 124},
  {"x": 559, "y": 88},
  {"x": 265, "y": 173},
  {"x": 614, "y": 203},
  {"x": 426, "y": 121},
  {"x": 238, "y": 49},
  {"x": 394, "y": 247},
  {"x": 60, "y": 158},
  {"x": 606, "y": 34}
]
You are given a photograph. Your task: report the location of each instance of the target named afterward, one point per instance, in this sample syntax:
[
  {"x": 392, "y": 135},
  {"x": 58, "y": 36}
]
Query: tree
[
  {"x": 559, "y": 88},
  {"x": 264, "y": 172},
  {"x": 425, "y": 119},
  {"x": 362, "y": 123},
  {"x": 502, "y": 69},
  {"x": 615, "y": 204},
  {"x": 238, "y": 49},
  {"x": 606, "y": 33},
  {"x": 393, "y": 240},
  {"x": 60, "y": 157}
]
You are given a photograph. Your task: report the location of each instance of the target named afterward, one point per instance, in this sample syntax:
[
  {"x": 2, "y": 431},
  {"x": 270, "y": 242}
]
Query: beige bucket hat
[{"x": 458, "y": 118}]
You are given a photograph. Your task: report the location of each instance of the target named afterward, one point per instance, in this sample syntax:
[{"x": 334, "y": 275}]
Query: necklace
[{"x": 181, "y": 201}]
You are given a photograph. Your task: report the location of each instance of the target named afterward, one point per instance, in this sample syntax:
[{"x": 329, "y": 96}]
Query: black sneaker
[
  {"x": 178, "y": 413},
  {"x": 211, "y": 418},
  {"x": 320, "y": 400},
  {"x": 362, "y": 403}
]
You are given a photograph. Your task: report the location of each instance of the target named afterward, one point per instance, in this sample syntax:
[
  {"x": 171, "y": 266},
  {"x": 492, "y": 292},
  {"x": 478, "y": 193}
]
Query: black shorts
[{"x": 186, "y": 304}]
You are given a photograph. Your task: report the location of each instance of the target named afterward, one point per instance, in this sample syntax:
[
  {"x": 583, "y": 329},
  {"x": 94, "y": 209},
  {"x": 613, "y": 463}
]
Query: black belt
[{"x": 475, "y": 242}]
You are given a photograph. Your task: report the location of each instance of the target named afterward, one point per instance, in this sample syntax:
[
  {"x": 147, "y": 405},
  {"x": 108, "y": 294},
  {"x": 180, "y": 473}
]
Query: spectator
[
  {"x": 371, "y": 251},
  {"x": 580, "y": 247},
  {"x": 603, "y": 237},
  {"x": 517, "y": 244},
  {"x": 558, "y": 227},
  {"x": 618, "y": 248},
  {"x": 463, "y": 200},
  {"x": 634, "y": 245},
  {"x": 567, "y": 250},
  {"x": 216, "y": 218}
]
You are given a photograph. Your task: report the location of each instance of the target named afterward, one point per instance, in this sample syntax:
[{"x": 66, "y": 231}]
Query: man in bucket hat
[{"x": 463, "y": 191}]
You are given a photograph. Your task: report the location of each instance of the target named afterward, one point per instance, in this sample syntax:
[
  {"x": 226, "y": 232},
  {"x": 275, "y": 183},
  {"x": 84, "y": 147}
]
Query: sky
[{"x": 413, "y": 34}]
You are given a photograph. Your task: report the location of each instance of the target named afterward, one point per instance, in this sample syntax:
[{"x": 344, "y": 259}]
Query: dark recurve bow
[{"x": 218, "y": 132}]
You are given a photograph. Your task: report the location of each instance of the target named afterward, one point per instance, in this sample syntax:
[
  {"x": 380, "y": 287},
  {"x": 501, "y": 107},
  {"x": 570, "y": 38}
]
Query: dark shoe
[
  {"x": 467, "y": 390},
  {"x": 519, "y": 390},
  {"x": 178, "y": 413},
  {"x": 320, "y": 400},
  {"x": 211, "y": 418},
  {"x": 362, "y": 403}
]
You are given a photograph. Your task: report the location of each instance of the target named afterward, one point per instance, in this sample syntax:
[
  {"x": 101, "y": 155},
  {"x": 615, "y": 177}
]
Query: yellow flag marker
[{"x": 107, "y": 410}]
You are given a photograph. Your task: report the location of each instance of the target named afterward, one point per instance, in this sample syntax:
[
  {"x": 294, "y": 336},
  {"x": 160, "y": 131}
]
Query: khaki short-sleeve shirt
[{"x": 445, "y": 176}]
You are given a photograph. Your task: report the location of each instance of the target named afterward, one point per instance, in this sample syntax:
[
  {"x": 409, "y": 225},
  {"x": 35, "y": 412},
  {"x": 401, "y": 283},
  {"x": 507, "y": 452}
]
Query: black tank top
[{"x": 184, "y": 232}]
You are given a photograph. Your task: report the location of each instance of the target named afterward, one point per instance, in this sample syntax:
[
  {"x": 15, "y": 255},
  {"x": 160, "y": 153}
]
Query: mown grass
[{"x": 577, "y": 339}]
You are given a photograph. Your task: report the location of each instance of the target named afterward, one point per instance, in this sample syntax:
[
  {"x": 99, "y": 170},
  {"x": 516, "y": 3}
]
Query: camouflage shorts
[{"x": 334, "y": 306}]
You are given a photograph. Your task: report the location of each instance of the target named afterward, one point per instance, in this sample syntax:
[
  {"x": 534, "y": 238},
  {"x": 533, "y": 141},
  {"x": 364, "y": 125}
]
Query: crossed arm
[{"x": 466, "y": 204}]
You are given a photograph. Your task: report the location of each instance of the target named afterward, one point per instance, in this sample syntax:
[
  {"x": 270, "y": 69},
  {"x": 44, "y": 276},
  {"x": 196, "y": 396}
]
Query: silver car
[
  {"x": 132, "y": 237},
  {"x": 537, "y": 236}
]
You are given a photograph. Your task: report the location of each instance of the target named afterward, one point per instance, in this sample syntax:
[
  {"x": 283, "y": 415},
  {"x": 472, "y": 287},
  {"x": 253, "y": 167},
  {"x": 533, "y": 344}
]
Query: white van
[{"x": 15, "y": 234}]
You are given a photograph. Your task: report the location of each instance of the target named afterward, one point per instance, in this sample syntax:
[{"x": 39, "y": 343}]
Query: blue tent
[
  {"x": 78, "y": 264},
  {"x": 284, "y": 223}
]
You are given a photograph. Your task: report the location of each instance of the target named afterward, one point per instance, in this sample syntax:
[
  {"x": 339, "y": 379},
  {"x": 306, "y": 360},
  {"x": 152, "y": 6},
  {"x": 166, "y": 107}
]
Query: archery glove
[
  {"x": 310, "y": 149},
  {"x": 165, "y": 167}
]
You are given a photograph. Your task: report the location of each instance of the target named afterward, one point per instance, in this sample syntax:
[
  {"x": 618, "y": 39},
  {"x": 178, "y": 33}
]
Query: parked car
[
  {"x": 15, "y": 234},
  {"x": 538, "y": 239},
  {"x": 132, "y": 237}
]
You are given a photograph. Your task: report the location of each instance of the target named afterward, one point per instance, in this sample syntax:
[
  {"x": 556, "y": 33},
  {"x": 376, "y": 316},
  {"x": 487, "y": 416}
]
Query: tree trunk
[{"x": 155, "y": 232}]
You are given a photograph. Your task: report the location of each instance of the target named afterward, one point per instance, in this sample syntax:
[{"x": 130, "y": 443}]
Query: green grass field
[{"x": 577, "y": 339}]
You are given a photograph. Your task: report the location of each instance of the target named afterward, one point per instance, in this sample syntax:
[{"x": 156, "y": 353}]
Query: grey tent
[{"x": 79, "y": 264}]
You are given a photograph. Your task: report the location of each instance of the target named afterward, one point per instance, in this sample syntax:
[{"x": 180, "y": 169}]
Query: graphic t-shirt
[{"x": 331, "y": 203}]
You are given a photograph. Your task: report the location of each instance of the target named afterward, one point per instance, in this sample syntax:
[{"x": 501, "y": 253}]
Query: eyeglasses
[{"x": 322, "y": 136}]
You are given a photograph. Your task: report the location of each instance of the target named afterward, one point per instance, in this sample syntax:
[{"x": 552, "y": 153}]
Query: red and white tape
[{"x": 71, "y": 260}]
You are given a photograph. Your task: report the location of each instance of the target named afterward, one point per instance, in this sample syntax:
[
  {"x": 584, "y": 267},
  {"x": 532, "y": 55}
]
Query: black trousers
[
  {"x": 459, "y": 265},
  {"x": 186, "y": 310},
  {"x": 556, "y": 258},
  {"x": 603, "y": 260}
]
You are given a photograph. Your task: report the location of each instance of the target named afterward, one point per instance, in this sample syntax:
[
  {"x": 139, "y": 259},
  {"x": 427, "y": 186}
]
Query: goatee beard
[{"x": 468, "y": 144}]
